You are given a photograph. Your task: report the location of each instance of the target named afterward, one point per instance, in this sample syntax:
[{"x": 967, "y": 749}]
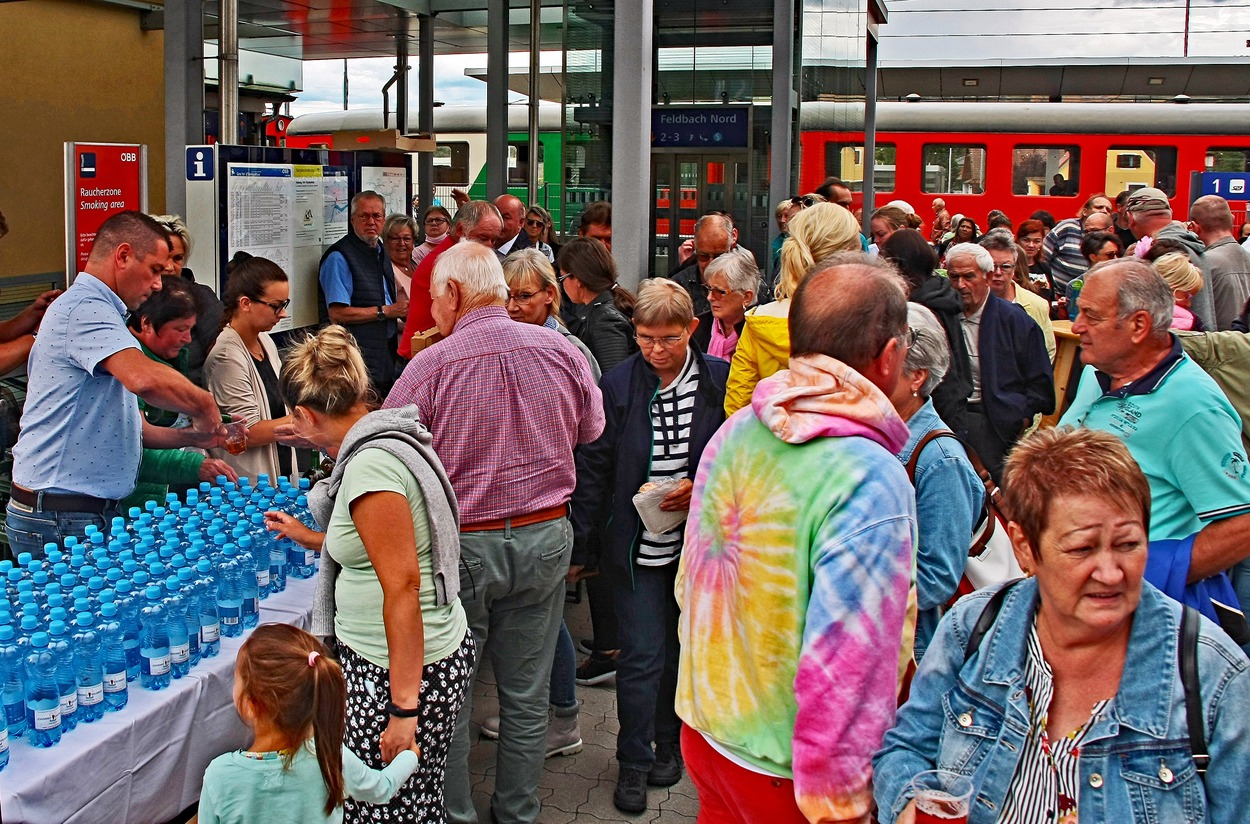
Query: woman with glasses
[
  {"x": 599, "y": 308},
  {"x": 437, "y": 224},
  {"x": 538, "y": 230},
  {"x": 243, "y": 367},
  {"x": 534, "y": 297},
  {"x": 399, "y": 236},
  {"x": 662, "y": 405},
  {"x": 731, "y": 282}
]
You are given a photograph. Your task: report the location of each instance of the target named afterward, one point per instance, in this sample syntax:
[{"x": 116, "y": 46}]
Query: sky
[{"x": 925, "y": 31}]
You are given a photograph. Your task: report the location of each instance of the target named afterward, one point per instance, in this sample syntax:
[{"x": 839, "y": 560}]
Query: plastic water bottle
[
  {"x": 247, "y": 581},
  {"x": 128, "y": 607},
  {"x": 154, "y": 641},
  {"x": 113, "y": 652},
  {"x": 186, "y": 588},
  {"x": 262, "y": 551},
  {"x": 43, "y": 700},
  {"x": 210, "y": 624},
  {"x": 12, "y": 676},
  {"x": 61, "y": 646},
  {"x": 230, "y": 594},
  {"x": 176, "y": 627},
  {"x": 277, "y": 554},
  {"x": 89, "y": 669}
]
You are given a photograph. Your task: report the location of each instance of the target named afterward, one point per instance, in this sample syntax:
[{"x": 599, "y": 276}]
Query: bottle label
[
  {"x": 249, "y": 606},
  {"x": 94, "y": 694},
  {"x": 310, "y": 557},
  {"x": 69, "y": 704},
  {"x": 262, "y": 577},
  {"x": 156, "y": 665},
  {"x": 229, "y": 615},
  {"x": 48, "y": 719},
  {"x": 295, "y": 556},
  {"x": 4, "y": 738},
  {"x": 180, "y": 653},
  {"x": 210, "y": 632},
  {"x": 115, "y": 681}
]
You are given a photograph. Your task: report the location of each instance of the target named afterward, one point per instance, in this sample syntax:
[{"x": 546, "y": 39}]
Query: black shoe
[
  {"x": 596, "y": 669},
  {"x": 586, "y": 646},
  {"x": 667, "y": 768},
  {"x": 631, "y": 790}
]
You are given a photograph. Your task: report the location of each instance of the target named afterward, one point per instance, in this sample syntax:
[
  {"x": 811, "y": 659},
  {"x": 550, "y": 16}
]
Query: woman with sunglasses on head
[
  {"x": 242, "y": 369},
  {"x": 538, "y": 229}
]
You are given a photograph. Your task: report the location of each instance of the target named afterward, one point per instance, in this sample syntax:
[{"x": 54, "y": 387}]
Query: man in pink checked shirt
[{"x": 506, "y": 403}]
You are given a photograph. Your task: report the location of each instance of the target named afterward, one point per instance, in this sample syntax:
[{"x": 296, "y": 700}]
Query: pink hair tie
[{"x": 312, "y": 656}]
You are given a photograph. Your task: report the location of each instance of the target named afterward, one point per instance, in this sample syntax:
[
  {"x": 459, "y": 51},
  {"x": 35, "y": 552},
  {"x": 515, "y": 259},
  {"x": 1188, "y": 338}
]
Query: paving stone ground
[{"x": 578, "y": 787}]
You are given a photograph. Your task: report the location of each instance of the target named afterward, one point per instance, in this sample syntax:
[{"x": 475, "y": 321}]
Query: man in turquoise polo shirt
[{"x": 1177, "y": 425}]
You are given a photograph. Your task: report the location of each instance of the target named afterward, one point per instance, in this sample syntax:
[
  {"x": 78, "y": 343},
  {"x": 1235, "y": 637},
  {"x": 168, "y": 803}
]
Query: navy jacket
[
  {"x": 1017, "y": 380},
  {"x": 610, "y": 469}
]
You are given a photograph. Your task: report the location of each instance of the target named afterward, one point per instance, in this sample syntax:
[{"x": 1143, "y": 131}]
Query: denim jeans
[
  {"x": 646, "y": 670},
  {"x": 512, "y": 588},
  {"x": 564, "y": 671},
  {"x": 28, "y": 530}
]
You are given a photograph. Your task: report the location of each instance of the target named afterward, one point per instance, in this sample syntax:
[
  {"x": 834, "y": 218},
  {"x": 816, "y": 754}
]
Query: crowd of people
[{"x": 768, "y": 478}]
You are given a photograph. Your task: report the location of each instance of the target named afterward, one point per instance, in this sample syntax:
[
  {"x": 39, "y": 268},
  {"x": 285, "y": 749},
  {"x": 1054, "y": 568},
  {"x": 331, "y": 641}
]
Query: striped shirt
[
  {"x": 1046, "y": 786},
  {"x": 672, "y": 408}
]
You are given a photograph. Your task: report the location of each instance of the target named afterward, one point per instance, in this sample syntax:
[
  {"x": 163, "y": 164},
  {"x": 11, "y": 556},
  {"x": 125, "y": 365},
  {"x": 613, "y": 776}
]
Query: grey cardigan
[{"x": 399, "y": 432}]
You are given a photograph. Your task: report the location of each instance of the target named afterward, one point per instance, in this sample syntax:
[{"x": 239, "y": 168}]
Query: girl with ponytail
[{"x": 294, "y": 698}]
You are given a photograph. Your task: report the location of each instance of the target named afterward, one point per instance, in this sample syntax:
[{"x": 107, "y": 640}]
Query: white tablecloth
[{"x": 144, "y": 764}]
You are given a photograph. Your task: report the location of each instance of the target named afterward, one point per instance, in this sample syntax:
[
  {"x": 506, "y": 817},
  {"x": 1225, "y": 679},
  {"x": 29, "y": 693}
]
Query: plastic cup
[
  {"x": 942, "y": 797},
  {"x": 236, "y": 437}
]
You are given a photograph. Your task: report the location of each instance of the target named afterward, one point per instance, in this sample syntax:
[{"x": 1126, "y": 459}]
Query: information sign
[
  {"x": 704, "y": 127},
  {"x": 100, "y": 179},
  {"x": 1228, "y": 185}
]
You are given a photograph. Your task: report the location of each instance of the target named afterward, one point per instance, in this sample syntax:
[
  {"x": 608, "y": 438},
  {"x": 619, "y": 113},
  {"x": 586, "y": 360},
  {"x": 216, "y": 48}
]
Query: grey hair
[
  {"x": 475, "y": 267},
  {"x": 175, "y": 226},
  {"x": 978, "y": 254},
  {"x": 1141, "y": 289},
  {"x": 996, "y": 240},
  {"x": 470, "y": 214},
  {"x": 930, "y": 350},
  {"x": 367, "y": 194},
  {"x": 738, "y": 267},
  {"x": 395, "y": 222},
  {"x": 724, "y": 223}
]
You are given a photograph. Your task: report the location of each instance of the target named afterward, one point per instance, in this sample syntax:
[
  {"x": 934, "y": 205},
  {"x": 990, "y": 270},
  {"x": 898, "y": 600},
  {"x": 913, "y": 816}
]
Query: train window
[
  {"x": 951, "y": 168},
  {"x": 1135, "y": 167},
  {"x": 451, "y": 164},
  {"x": 1045, "y": 170},
  {"x": 846, "y": 160},
  {"x": 519, "y": 164},
  {"x": 1225, "y": 159}
]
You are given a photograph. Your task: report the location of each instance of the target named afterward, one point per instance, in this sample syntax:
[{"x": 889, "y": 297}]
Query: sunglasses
[
  {"x": 537, "y": 223},
  {"x": 805, "y": 201}
]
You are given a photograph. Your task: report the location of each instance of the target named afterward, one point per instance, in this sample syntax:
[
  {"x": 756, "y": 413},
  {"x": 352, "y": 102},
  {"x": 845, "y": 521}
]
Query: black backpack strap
[
  {"x": 989, "y": 614},
  {"x": 1188, "y": 654}
]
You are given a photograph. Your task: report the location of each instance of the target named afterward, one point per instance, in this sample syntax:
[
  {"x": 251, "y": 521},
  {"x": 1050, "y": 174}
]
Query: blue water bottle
[
  {"x": 153, "y": 641},
  {"x": 43, "y": 700},
  {"x": 61, "y": 645},
  {"x": 210, "y": 624},
  {"x": 186, "y": 588},
  {"x": 176, "y": 626},
  {"x": 113, "y": 653},
  {"x": 230, "y": 594},
  {"x": 128, "y": 613},
  {"x": 12, "y": 686},
  {"x": 89, "y": 669},
  {"x": 247, "y": 581}
]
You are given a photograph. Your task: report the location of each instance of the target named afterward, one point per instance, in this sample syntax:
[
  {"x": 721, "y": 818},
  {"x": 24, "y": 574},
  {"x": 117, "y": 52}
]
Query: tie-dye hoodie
[{"x": 793, "y": 583}]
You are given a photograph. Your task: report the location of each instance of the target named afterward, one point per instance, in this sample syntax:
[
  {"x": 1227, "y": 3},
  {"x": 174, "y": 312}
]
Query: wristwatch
[{"x": 381, "y": 313}]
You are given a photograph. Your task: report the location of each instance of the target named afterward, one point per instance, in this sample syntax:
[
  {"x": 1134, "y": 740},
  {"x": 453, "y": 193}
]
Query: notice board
[{"x": 101, "y": 179}]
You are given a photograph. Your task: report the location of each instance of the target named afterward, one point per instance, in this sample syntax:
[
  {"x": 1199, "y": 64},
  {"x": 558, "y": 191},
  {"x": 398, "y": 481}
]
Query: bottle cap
[
  {"x": 84, "y": 619},
  {"x": 108, "y": 610},
  {"x": 39, "y": 639},
  {"x": 6, "y": 632},
  {"x": 29, "y": 622},
  {"x": 57, "y": 627},
  {"x": 49, "y": 547},
  {"x": 58, "y": 614},
  {"x": 154, "y": 592},
  {"x": 95, "y": 583}
]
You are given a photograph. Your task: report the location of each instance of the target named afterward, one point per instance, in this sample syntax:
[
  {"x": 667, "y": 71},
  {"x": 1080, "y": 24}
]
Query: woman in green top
[
  {"x": 163, "y": 326},
  {"x": 390, "y": 570}
]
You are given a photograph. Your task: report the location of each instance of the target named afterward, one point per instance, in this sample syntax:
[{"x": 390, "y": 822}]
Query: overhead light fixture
[
  {"x": 1155, "y": 81},
  {"x": 970, "y": 81}
]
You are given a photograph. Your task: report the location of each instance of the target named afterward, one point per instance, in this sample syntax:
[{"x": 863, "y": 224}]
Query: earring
[{"x": 915, "y": 394}]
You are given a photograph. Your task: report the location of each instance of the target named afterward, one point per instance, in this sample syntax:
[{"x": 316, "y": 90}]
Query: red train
[{"x": 1021, "y": 157}]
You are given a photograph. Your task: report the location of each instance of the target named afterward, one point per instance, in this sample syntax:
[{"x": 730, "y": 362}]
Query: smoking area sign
[{"x": 100, "y": 180}]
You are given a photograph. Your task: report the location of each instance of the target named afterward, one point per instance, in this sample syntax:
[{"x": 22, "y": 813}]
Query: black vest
[{"x": 370, "y": 268}]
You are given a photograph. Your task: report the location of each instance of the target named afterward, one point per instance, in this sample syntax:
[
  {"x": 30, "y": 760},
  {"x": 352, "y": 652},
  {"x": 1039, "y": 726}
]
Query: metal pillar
[
  {"x": 496, "y": 98},
  {"x": 184, "y": 94},
  {"x": 780, "y": 149},
  {"x": 631, "y": 140},
  {"x": 535, "y": 45},
  {"x": 870, "y": 131},
  {"x": 425, "y": 110},
  {"x": 228, "y": 73},
  {"x": 401, "y": 73}
]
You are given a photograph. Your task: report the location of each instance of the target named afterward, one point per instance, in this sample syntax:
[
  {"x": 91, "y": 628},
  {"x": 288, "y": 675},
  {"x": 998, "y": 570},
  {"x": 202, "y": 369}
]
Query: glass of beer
[
  {"x": 236, "y": 437},
  {"x": 942, "y": 797}
]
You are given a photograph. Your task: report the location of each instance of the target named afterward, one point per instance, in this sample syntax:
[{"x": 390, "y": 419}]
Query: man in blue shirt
[
  {"x": 82, "y": 433},
  {"x": 357, "y": 289},
  {"x": 1178, "y": 426}
]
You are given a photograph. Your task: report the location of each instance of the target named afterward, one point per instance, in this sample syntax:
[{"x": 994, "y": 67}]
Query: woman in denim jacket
[{"x": 1072, "y": 708}]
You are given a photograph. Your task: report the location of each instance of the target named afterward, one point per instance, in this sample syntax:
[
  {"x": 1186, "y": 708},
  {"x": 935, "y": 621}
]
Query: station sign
[
  {"x": 101, "y": 179},
  {"x": 702, "y": 127},
  {"x": 1228, "y": 185}
]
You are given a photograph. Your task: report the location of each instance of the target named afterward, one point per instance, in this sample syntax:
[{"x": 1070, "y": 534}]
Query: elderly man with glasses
[
  {"x": 1002, "y": 249},
  {"x": 714, "y": 235}
]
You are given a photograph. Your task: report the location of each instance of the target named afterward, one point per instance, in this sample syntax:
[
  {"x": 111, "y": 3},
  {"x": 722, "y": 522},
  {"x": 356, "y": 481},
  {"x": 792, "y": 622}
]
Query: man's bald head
[
  {"x": 848, "y": 307},
  {"x": 512, "y": 212}
]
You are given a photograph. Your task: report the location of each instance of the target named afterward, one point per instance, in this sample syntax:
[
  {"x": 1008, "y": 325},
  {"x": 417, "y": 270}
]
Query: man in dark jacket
[
  {"x": 1012, "y": 379},
  {"x": 714, "y": 235},
  {"x": 661, "y": 406},
  {"x": 356, "y": 288}
]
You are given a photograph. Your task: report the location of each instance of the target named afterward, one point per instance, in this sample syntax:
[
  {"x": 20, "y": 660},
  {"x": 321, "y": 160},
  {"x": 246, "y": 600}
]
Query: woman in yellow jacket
[{"x": 816, "y": 233}]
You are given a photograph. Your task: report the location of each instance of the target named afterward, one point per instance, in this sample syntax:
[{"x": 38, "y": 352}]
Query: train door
[{"x": 688, "y": 185}]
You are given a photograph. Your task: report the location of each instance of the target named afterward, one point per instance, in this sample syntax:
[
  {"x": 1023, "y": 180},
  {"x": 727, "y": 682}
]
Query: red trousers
[{"x": 730, "y": 794}]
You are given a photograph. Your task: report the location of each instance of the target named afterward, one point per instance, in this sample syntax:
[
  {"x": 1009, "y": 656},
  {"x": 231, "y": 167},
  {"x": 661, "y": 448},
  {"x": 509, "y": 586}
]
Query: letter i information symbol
[{"x": 199, "y": 163}]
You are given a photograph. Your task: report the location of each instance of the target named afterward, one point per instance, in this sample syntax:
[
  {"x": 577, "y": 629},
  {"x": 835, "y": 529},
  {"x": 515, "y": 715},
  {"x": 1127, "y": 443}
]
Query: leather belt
[
  {"x": 57, "y": 502},
  {"x": 541, "y": 516}
]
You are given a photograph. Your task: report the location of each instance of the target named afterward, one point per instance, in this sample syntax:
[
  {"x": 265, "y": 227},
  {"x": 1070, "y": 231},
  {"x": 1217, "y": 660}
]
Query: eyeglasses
[
  {"x": 912, "y": 337},
  {"x": 435, "y": 221},
  {"x": 522, "y": 297},
  {"x": 403, "y": 240},
  {"x": 278, "y": 306},
  {"x": 909, "y": 336},
  {"x": 719, "y": 294},
  {"x": 1005, "y": 267},
  {"x": 560, "y": 280},
  {"x": 704, "y": 257},
  {"x": 537, "y": 223},
  {"x": 805, "y": 201},
  {"x": 668, "y": 341},
  {"x": 370, "y": 216}
]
